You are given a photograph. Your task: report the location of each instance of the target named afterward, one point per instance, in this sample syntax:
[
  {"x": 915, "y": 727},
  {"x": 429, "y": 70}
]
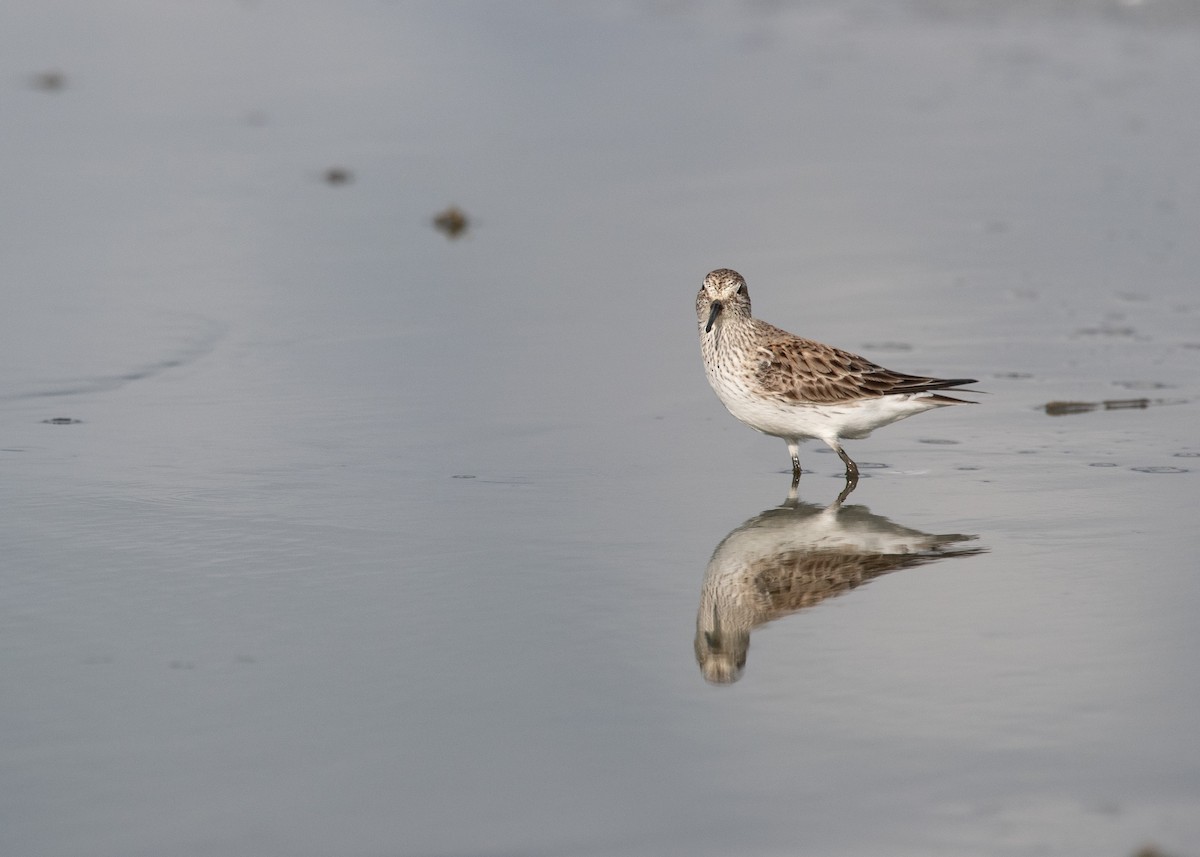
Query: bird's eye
[{"x": 742, "y": 289}]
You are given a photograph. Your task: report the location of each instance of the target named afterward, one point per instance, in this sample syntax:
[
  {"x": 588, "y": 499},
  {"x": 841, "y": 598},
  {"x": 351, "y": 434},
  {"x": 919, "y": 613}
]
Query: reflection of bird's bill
[
  {"x": 795, "y": 556},
  {"x": 722, "y": 655}
]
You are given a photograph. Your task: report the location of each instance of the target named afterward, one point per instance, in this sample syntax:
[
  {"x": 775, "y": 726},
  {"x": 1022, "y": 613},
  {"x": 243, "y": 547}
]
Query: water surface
[{"x": 326, "y": 533}]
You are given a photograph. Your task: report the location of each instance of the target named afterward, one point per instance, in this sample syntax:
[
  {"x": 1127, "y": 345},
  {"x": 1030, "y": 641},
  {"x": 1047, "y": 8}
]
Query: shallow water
[{"x": 325, "y": 533}]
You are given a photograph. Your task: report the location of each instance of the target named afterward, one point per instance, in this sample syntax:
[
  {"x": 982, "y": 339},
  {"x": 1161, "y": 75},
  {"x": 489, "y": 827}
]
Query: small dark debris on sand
[
  {"x": 338, "y": 176},
  {"x": 62, "y": 421},
  {"x": 49, "y": 81},
  {"x": 452, "y": 222},
  {"x": 1150, "y": 851},
  {"x": 1058, "y": 409}
]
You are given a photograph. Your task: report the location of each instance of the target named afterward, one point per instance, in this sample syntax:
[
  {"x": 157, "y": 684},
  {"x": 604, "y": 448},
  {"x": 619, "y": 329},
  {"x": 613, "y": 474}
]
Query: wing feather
[{"x": 803, "y": 371}]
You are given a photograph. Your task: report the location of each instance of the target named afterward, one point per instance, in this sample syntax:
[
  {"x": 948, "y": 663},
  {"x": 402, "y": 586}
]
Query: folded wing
[{"x": 803, "y": 371}]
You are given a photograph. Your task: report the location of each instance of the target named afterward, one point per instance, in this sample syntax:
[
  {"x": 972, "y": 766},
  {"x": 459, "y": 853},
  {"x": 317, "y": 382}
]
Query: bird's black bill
[{"x": 717, "y": 306}]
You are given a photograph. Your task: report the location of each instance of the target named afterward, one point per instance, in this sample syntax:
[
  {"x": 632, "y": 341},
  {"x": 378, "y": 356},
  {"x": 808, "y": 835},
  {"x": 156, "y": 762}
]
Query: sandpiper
[{"x": 795, "y": 388}]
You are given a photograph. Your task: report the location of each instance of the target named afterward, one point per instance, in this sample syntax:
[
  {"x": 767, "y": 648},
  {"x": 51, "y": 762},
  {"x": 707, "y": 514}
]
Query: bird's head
[{"x": 724, "y": 293}]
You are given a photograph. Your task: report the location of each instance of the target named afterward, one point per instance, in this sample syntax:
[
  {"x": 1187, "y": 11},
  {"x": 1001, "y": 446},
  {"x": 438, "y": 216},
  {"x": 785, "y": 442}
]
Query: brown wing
[{"x": 801, "y": 370}]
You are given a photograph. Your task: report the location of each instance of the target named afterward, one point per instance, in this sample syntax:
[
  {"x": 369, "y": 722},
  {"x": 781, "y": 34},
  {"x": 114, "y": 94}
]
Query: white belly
[{"x": 854, "y": 420}]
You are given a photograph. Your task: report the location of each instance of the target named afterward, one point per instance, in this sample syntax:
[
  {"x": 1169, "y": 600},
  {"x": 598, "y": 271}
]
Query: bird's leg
[
  {"x": 851, "y": 467},
  {"x": 851, "y": 475},
  {"x": 794, "y": 451}
]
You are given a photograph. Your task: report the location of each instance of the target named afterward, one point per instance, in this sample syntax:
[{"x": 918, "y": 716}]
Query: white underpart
[{"x": 827, "y": 422}]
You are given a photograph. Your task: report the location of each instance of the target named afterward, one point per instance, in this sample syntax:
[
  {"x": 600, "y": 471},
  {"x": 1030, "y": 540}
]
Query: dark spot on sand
[
  {"x": 49, "y": 81},
  {"x": 1060, "y": 408},
  {"x": 453, "y": 222}
]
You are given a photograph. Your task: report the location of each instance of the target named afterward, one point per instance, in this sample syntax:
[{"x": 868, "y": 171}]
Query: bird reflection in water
[{"x": 795, "y": 556}]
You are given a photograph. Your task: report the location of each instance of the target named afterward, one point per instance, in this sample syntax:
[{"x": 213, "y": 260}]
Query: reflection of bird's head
[{"x": 721, "y": 657}]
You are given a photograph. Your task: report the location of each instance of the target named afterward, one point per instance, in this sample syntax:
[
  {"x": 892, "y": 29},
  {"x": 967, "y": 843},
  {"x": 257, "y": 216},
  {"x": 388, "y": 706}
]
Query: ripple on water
[
  {"x": 1162, "y": 469},
  {"x": 1142, "y": 385},
  {"x": 196, "y": 338},
  {"x": 1103, "y": 464},
  {"x": 938, "y": 440},
  {"x": 1187, "y": 455},
  {"x": 1106, "y": 330}
]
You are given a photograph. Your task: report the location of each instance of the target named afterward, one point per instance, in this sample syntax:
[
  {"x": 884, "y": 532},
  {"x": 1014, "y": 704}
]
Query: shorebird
[{"x": 794, "y": 388}]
